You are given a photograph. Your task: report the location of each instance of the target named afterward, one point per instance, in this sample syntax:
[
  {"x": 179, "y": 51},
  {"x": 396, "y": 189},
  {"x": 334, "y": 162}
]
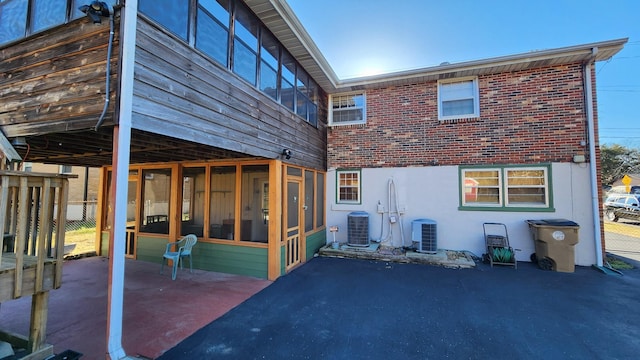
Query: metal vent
[
  {"x": 358, "y": 228},
  {"x": 424, "y": 233}
]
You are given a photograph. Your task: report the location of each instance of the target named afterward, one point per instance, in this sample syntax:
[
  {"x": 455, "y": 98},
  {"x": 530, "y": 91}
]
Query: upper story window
[
  {"x": 245, "y": 44},
  {"x": 66, "y": 169},
  {"x": 229, "y": 33},
  {"x": 458, "y": 99},
  {"x": 174, "y": 15},
  {"x": 506, "y": 188},
  {"x": 21, "y": 18},
  {"x": 348, "y": 109},
  {"x": 212, "y": 29}
]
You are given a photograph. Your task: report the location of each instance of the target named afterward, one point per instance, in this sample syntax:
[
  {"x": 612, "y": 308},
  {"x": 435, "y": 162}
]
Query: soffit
[{"x": 284, "y": 24}]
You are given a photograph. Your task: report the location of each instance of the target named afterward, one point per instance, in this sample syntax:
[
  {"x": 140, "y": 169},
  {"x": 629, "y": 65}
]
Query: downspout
[
  {"x": 595, "y": 201},
  {"x": 120, "y": 162},
  {"x": 108, "y": 70}
]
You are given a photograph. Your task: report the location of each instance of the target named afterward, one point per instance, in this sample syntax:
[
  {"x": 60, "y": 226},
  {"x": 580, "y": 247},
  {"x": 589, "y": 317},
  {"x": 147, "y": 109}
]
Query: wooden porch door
[{"x": 293, "y": 232}]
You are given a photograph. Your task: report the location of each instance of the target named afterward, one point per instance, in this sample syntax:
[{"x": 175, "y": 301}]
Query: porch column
[{"x": 120, "y": 162}]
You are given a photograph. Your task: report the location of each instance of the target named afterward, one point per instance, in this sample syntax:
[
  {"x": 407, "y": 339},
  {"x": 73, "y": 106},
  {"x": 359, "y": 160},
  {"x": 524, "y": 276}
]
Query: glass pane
[
  {"x": 286, "y": 94},
  {"x": 48, "y": 13},
  {"x": 131, "y": 204},
  {"x": 156, "y": 195},
  {"x": 294, "y": 171},
  {"x": 174, "y": 15},
  {"x": 217, "y": 9},
  {"x": 482, "y": 187},
  {"x": 320, "y": 200},
  {"x": 193, "y": 181},
  {"x": 293, "y": 218},
  {"x": 268, "y": 80},
  {"x": 246, "y": 27},
  {"x": 526, "y": 177},
  {"x": 255, "y": 203},
  {"x": 75, "y": 8},
  {"x": 301, "y": 107},
  {"x": 313, "y": 114},
  {"x": 244, "y": 62},
  {"x": 522, "y": 196},
  {"x": 457, "y": 107},
  {"x": 223, "y": 202},
  {"x": 13, "y": 20},
  {"x": 309, "y": 199},
  {"x": 270, "y": 50},
  {"x": 211, "y": 37}
]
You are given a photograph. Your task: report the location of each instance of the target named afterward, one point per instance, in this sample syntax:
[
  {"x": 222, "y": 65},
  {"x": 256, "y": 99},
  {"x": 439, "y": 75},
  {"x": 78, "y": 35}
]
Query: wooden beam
[{"x": 38, "y": 326}]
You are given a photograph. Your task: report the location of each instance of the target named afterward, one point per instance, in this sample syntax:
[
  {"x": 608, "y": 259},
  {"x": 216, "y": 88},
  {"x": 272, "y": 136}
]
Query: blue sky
[{"x": 367, "y": 37}]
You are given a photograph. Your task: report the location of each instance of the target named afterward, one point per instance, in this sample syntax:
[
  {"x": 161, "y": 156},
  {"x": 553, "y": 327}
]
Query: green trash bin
[{"x": 555, "y": 241}]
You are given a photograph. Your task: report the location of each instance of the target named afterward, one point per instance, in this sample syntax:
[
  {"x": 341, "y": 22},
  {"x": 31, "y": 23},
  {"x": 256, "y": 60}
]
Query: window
[
  {"x": 245, "y": 44},
  {"x": 347, "y": 109},
  {"x": 193, "y": 199},
  {"x": 156, "y": 194},
  {"x": 222, "y": 211},
  {"x": 42, "y": 14},
  {"x": 348, "y": 186},
  {"x": 254, "y": 225},
  {"x": 65, "y": 169},
  {"x": 458, "y": 99},
  {"x": 269, "y": 58},
  {"x": 320, "y": 200},
  {"x": 173, "y": 15},
  {"x": 212, "y": 29},
  {"x": 506, "y": 187}
]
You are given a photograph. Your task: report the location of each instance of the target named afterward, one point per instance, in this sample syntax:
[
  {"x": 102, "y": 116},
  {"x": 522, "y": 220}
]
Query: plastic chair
[{"x": 184, "y": 247}]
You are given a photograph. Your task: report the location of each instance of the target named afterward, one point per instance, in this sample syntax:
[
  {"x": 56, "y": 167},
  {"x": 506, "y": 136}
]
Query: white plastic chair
[{"x": 184, "y": 247}]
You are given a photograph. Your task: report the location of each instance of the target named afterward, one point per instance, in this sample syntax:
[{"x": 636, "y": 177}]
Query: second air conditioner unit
[{"x": 424, "y": 234}]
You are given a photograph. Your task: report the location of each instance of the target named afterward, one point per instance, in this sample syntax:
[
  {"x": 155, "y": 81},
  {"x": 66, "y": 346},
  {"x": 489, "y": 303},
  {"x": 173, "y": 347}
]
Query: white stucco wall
[{"x": 432, "y": 193}]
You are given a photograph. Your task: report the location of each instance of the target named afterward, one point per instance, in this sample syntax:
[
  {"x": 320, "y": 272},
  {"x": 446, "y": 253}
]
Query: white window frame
[
  {"x": 363, "y": 108},
  {"x": 475, "y": 97},
  {"x": 339, "y": 186},
  {"x": 504, "y": 186},
  {"x": 545, "y": 186}
]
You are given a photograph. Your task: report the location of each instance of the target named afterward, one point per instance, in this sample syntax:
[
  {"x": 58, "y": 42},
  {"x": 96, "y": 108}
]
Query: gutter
[{"x": 595, "y": 200}]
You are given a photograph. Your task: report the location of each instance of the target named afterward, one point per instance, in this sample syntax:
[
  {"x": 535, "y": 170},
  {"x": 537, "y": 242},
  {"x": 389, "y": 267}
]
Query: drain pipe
[
  {"x": 595, "y": 201},
  {"x": 108, "y": 70}
]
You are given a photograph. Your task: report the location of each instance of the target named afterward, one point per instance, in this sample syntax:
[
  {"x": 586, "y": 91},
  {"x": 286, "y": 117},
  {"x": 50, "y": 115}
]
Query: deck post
[{"x": 38, "y": 323}]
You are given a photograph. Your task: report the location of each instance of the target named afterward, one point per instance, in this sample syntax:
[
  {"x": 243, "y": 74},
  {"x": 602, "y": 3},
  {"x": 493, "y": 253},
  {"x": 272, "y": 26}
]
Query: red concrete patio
[{"x": 158, "y": 312}]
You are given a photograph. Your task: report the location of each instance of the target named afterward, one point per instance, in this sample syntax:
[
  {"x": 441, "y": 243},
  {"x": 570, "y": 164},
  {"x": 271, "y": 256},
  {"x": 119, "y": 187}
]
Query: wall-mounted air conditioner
[
  {"x": 424, "y": 235},
  {"x": 358, "y": 228}
]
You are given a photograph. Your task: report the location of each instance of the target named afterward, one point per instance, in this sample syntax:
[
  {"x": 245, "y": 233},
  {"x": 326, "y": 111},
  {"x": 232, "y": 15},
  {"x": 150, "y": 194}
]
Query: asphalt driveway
[{"x": 335, "y": 308}]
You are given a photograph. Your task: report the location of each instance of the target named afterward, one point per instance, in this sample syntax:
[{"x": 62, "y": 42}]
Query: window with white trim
[
  {"x": 458, "y": 99},
  {"x": 348, "y": 109},
  {"x": 506, "y": 187},
  {"x": 348, "y": 186}
]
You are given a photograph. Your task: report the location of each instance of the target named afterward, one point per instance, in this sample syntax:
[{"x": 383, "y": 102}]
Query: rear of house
[{"x": 498, "y": 140}]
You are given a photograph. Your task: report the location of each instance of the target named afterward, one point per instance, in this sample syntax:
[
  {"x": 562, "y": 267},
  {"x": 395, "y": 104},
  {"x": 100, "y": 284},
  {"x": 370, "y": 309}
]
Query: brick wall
[{"x": 530, "y": 116}]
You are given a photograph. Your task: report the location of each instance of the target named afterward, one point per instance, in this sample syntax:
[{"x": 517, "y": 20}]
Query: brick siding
[{"x": 530, "y": 116}]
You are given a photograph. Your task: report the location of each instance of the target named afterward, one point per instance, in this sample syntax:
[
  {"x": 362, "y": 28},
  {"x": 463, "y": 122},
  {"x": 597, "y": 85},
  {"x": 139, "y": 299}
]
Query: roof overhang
[{"x": 283, "y": 23}]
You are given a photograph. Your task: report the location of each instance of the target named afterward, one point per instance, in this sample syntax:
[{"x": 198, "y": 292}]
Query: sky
[{"x": 367, "y": 37}]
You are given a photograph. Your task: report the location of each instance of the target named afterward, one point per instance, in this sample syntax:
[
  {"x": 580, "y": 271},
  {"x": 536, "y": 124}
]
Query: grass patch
[{"x": 618, "y": 264}]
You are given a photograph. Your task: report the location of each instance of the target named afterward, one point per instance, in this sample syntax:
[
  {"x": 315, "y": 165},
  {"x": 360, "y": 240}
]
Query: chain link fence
[{"x": 80, "y": 229}]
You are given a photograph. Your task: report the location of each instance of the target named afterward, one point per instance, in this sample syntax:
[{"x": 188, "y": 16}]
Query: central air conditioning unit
[
  {"x": 424, "y": 234},
  {"x": 358, "y": 228}
]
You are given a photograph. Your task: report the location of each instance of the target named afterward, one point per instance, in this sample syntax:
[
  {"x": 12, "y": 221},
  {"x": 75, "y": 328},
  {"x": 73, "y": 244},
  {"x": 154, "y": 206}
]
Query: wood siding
[
  {"x": 55, "y": 81},
  {"x": 314, "y": 242},
  {"x": 181, "y": 93}
]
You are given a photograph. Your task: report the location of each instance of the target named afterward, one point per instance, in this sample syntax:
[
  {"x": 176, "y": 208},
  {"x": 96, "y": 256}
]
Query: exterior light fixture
[
  {"x": 96, "y": 11},
  {"x": 286, "y": 153}
]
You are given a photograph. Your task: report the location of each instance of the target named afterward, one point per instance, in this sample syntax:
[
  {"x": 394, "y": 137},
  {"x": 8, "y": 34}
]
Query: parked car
[{"x": 622, "y": 206}]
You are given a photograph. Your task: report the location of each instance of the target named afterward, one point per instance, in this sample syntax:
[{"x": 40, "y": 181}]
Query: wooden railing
[{"x": 33, "y": 209}]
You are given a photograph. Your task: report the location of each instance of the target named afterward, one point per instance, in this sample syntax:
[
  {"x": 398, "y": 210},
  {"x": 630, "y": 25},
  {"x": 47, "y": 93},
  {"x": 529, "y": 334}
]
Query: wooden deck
[{"x": 33, "y": 211}]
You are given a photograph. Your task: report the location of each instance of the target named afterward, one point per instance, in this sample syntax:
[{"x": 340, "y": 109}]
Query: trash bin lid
[{"x": 552, "y": 222}]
